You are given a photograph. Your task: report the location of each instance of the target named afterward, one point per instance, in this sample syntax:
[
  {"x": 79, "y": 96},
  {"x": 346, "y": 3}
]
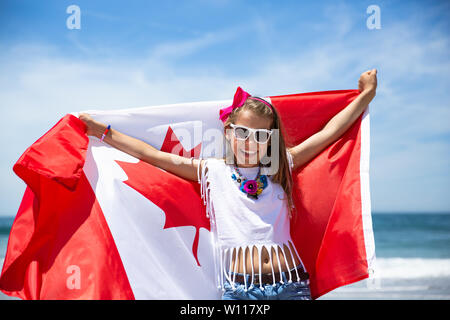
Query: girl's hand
[
  {"x": 91, "y": 124},
  {"x": 368, "y": 81}
]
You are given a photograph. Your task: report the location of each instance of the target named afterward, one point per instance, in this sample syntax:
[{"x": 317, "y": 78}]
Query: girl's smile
[{"x": 248, "y": 152}]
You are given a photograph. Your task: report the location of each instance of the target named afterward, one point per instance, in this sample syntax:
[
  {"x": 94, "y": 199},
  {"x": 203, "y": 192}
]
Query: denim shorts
[{"x": 279, "y": 291}]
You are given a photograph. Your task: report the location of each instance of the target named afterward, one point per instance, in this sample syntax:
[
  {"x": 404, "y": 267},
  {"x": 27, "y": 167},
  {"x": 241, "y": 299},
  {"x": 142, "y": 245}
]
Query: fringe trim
[
  {"x": 228, "y": 270},
  {"x": 205, "y": 191}
]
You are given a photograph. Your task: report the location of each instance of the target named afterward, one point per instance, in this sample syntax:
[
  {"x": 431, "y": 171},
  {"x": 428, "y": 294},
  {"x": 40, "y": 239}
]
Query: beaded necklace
[{"x": 252, "y": 187}]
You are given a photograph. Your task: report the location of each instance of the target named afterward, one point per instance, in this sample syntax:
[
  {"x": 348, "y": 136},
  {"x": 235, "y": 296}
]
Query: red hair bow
[{"x": 239, "y": 98}]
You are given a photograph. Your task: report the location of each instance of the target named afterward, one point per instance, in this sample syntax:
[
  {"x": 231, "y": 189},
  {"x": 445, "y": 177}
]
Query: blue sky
[{"x": 140, "y": 53}]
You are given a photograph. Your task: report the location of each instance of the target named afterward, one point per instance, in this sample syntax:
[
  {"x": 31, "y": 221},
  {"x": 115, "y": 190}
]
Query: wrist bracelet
[{"x": 104, "y": 133}]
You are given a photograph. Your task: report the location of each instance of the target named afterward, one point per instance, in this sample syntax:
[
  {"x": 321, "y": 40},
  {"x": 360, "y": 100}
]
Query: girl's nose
[{"x": 250, "y": 143}]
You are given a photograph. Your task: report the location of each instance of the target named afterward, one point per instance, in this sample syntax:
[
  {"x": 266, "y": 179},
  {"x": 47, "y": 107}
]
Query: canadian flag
[{"x": 97, "y": 223}]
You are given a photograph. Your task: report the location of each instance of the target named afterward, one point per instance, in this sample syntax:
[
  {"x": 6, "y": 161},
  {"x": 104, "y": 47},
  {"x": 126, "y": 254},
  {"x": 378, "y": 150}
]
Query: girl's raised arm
[
  {"x": 181, "y": 166},
  {"x": 308, "y": 149}
]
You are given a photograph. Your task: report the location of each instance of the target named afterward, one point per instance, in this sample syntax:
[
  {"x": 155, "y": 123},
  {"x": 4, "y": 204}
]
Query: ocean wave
[{"x": 411, "y": 268}]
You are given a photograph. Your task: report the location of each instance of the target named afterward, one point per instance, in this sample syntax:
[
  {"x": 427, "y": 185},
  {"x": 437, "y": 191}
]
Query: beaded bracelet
[{"x": 104, "y": 133}]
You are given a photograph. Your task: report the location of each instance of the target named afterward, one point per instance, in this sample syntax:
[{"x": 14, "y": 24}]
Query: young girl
[{"x": 248, "y": 198}]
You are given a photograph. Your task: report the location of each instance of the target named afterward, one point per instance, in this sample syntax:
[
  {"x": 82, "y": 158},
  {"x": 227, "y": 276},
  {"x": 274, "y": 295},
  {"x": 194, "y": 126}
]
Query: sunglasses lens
[
  {"x": 261, "y": 136},
  {"x": 241, "y": 133}
]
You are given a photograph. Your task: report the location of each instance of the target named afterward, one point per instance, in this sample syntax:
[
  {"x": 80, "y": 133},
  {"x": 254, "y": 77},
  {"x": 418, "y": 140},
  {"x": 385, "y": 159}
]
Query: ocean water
[{"x": 413, "y": 258}]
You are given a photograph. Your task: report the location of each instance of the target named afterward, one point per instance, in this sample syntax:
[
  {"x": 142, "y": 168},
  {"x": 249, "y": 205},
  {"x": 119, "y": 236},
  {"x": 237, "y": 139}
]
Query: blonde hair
[{"x": 283, "y": 175}]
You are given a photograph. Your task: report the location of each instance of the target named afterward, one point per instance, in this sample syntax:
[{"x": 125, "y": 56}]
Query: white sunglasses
[{"x": 242, "y": 133}]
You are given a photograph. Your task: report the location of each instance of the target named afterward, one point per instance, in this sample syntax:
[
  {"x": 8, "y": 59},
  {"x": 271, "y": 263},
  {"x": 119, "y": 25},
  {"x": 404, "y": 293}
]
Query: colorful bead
[{"x": 252, "y": 187}]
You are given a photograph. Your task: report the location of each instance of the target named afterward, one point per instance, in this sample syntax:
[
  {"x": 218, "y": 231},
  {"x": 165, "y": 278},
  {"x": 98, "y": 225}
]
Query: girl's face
[{"x": 248, "y": 153}]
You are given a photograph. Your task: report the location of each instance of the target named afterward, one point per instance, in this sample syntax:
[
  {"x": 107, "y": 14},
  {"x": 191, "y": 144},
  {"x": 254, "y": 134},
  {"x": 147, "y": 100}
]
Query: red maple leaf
[{"x": 178, "y": 198}]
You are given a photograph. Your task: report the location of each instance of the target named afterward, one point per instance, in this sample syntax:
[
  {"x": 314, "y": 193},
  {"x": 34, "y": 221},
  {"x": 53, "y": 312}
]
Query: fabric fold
[{"x": 58, "y": 155}]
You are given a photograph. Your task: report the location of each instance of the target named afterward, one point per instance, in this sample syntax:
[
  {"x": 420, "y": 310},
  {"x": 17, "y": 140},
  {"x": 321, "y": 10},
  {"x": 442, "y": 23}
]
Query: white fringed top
[{"x": 239, "y": 222}]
